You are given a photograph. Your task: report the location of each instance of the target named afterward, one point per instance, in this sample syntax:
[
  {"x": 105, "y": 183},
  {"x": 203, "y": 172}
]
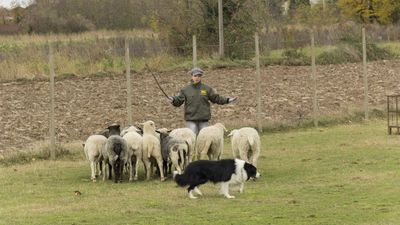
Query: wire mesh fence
[{"x": 96, "y": 93}]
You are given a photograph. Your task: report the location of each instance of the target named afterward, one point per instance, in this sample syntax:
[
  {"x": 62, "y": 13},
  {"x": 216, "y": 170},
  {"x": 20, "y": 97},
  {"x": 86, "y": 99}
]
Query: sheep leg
[
  {"x": 192, "y": 152},
  {"x": 121, "y": 170},
  {"x": 183, "y": 159},
  {"x": 93, "y": 170},
  {"x": 147, "y": 166},
  {"x": 236, "y": 154},
  {"x": 100, "y": 170},
  {"x": 130, "y": 162},
  {"x": 116, "y": 171},
  {"x": 105, "y": 170},
  {"x": 253, "y": 159},
  {"x": 221, "y": 149},
  {"x": 243, "y": 155},
  {"x": 165, "y": 167},
  {"x": 109, "y": 171},
  {"x": 169, "y": 169},
  {"x": 160, "y": 166},
  {"x": 136, "y": 168}
]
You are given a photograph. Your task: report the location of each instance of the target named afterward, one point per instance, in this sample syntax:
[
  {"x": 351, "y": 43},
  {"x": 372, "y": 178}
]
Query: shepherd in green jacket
[{"x": 197, "y": 97}]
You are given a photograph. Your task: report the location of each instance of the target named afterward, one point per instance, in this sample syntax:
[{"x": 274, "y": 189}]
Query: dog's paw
[
  {"x": 229, "y": 196},
  {"x": 198, "y": 191},
  {"x": 192, "y": 196}
]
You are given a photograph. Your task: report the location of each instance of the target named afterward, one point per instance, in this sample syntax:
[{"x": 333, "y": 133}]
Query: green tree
[{"x": 200, "y": 17}]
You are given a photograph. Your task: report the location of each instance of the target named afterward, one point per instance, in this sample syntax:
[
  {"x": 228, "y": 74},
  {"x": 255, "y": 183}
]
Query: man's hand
[
  {"x": 231, "y": 99},
  {"x": 171, "y": 99}
]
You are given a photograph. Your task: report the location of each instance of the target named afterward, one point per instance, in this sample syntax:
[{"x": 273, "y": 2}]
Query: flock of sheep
[{"x": 114, "y": 150}]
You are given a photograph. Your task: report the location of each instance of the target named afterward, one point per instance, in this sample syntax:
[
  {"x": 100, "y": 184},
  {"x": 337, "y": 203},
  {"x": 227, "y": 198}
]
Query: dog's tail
[{"x": 181, "y": 179}]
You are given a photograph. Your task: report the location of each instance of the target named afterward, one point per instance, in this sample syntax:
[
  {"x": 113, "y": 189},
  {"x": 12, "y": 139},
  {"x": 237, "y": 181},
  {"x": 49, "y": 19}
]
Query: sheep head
[
  {"x": 149, "y": 127},
  {"x": 129, "y": 129},
  {"x": 232, "y": 132},
  {"x": 114, "y": 129}
]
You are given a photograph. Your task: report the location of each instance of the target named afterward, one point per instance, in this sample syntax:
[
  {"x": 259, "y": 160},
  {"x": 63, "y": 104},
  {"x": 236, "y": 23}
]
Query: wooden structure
[{"x": 393, "y": 109}]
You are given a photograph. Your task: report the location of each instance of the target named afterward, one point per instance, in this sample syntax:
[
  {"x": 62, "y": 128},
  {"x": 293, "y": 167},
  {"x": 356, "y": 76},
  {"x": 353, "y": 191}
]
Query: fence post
[
  {"x": 364, "y": 44},
  {"x": 221, "y": 29},
  {"x": 52, "y": 125},
  {"x": 128, "y": 82},
  {"x": 314, "y": 79},
  {"x": 259, "y": 124},
  {"x": 194, "y": 51}
]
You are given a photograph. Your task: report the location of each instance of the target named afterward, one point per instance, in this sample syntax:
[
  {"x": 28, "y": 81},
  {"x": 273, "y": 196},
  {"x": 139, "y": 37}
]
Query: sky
[{"x": 7, "y": 3}]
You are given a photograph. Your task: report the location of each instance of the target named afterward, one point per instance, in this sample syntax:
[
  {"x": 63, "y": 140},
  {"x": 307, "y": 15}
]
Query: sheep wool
[
  {"x": 135, "y": 149},
  {"x": 210, "y": 142},
  {"x": 115, "y": 152},
  {"x": 187, "y": 135},
  {"x": 92, "y": 148},
  {"x": 151, "y": 148},
  {"x": 246, "y": 144},
  {"x": 129, "y": 129},
  {"x": 174, "y": 151}
]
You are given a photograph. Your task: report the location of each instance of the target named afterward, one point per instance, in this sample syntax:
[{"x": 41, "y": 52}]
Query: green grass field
[{"x": 345, "y": 174}]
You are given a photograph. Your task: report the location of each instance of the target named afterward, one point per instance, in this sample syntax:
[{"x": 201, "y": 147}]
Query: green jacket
[{"x": 197, "y": 98}]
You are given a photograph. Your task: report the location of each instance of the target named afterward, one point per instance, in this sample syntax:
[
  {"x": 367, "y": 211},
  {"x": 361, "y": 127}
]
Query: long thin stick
[{"x": 158, "y": 84}]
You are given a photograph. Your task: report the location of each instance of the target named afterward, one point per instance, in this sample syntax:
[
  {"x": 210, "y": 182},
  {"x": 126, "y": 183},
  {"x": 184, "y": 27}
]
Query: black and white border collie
[{"x": 224, "y": 172}]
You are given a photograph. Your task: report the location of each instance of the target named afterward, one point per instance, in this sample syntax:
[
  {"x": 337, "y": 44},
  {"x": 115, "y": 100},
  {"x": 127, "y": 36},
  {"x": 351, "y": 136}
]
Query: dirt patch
[{"x": 87, "y": 105}]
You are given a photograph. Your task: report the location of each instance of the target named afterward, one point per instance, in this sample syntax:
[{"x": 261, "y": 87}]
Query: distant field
[
  {"x": 345, "y": 174},
  {"x": 103, "y": 53}
]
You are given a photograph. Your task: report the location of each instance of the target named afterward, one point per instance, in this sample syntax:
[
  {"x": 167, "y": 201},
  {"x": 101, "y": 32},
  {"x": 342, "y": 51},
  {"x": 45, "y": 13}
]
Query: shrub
[{"x": 350, "y": 50}]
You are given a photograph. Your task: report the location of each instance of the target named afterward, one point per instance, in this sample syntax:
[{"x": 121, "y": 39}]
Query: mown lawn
[{"x": 346, "y": 174}]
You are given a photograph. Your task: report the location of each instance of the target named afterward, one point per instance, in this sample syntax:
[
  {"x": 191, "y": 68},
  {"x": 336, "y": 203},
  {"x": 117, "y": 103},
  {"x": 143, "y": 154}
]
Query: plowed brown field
[{"x": 85, "y": 105}]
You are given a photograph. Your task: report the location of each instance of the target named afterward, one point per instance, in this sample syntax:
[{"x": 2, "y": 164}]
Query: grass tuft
[{"x": 40, "y": 152}]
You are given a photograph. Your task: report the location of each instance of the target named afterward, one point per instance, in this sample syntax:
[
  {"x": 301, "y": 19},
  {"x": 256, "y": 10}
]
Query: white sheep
[
  {"x": 246, "y": 144},
  {"x": 135, "y": 149},
  {"x": 151, "y": 148},
  {"x": 129, "y": 129},
  {"x": 186, "y": 134},
  {"x": 93, "y": 147},
  {"x": 210, "y": 142}
]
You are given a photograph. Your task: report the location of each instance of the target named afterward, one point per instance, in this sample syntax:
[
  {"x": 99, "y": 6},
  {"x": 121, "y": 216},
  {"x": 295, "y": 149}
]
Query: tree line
[{"x": 177, "y": 20}]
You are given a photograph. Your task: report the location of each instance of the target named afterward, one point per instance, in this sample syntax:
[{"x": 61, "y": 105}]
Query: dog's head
[{"x": 251, "y": 171}]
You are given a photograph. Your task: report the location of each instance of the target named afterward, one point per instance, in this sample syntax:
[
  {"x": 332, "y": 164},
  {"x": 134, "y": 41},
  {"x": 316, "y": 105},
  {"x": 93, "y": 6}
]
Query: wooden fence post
[
  {"x": 194, "y": 51},
  {"x": 314, "y": 79},
  {"x": 221, "y": 29},
  {"x": 52, "y": 122},
  {"x": 364, "y": 44},
  {"x": 128, "y": 82},
  {"x": 259, "y": 123}
]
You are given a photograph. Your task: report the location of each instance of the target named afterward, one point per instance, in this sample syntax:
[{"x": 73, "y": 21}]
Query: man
[{"x": 197, "y": 97}]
